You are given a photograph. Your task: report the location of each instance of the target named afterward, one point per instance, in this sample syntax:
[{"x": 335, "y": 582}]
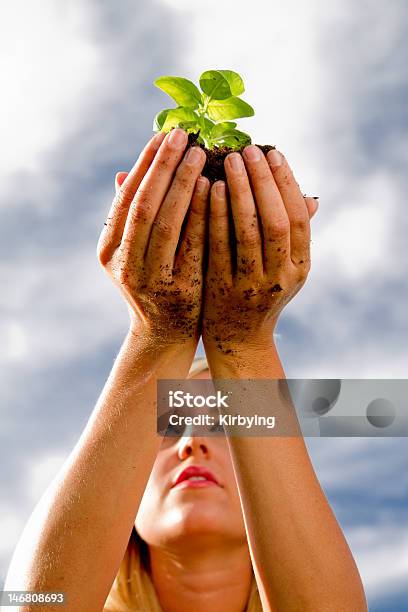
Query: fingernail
[
  {"x": 194, "y": 155},
  {"x": 177, "y": 137},
  {"x": 201, "y": 183},
  {"x": 118, "y": 183},
  {"x": 220, "y": 188},
  {"x": 236, "y": 162},
  {"x": 252, "y": 153},
  {"x": 274, "y": 158},
  {"x": 157, "y": 140}
]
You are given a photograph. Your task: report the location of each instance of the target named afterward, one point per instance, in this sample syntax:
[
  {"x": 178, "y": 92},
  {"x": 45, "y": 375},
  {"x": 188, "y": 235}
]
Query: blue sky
[{"x": 329, "y": 85}]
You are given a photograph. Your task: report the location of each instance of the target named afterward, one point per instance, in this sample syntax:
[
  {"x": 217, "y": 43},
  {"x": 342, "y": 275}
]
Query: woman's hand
[
  {"x": 259, "y": 258},
  {"x": 159, "y": 273}
]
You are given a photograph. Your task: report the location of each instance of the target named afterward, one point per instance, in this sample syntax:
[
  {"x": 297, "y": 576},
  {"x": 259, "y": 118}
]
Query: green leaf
[
  {"x": 221, "y": 84},
  {"x": 189, "y": 126},
  {"x": 233, "y": 139},
  {"x": 238, "y": 139},
  {"x": 209, "y": 125},
  {"x": 231, "y": 108},
  {"x": 222, "y": 128},
  {"x": 235, "y": 82},
  {"x": 183, "y": 91},
  {"x": 177, "y": 115},
  {"x": 159, "y": 119}
]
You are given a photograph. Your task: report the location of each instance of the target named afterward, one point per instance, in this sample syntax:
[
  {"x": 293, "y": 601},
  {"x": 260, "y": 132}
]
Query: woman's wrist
[
  {"x": 158, "y": 353},
  {"x": 258, "y": 359},
  {"x": 157, "y": 338}
]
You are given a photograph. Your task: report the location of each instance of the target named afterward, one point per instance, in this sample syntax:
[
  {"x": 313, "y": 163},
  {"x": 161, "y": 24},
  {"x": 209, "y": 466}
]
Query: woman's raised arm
[
  {"x": 300, "y": 556},
  {"x": 78, "y": 532}
]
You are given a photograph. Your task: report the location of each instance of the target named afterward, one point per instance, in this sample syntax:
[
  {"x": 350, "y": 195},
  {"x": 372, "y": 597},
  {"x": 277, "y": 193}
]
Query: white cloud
[
  {"x": 356, "y": 238},
  {"x": 373, "y": 471},
  {"x": 15, "y": 345},
  {"x": 47, "y": 63},
  {"x": 38, "y": 476},
  {"x": 382, "y": 553},
  {"x": 79, "y": 310},
  {"x": 11, "y": 526},
  {"x": 41, "y": 472},
  {"x": 367, "y": 466}
]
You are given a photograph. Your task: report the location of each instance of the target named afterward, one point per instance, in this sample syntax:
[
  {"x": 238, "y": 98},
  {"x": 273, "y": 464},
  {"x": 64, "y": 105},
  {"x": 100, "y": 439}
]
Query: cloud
[
  {"x": 365, "y": 482},
  {"x": 43, "y": 87},
  {"x": 10, "y": 529},
  {"x": 359, "y": 465},
  {"x": 382, "y": 553}
]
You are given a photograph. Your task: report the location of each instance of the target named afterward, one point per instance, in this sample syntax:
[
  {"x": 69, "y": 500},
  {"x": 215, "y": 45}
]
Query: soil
[{"x": 214, "y": 166}]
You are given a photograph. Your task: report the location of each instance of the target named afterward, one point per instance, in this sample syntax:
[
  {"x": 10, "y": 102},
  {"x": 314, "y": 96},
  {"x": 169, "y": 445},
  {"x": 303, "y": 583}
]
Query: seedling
[{"x": 207, "y": 113}]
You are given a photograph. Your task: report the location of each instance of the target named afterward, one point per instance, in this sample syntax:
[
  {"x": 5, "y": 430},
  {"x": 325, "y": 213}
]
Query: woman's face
[{"x": 167, "y": 514}]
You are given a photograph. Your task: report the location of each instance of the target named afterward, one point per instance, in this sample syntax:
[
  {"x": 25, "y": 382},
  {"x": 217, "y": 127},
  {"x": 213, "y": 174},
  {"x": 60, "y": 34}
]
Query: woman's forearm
[
  {"x": 77, "y": 534},
  {"x": 301, "y": 558}
]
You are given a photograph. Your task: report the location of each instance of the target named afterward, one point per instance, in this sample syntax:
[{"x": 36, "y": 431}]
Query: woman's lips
[
  {"x": 196, "y": 476},
  {"x": 196, "y": 484}
]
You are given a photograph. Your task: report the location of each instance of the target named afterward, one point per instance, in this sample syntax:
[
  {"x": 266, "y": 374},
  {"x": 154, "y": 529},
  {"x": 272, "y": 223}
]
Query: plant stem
[{"x": 203, "y": 133}]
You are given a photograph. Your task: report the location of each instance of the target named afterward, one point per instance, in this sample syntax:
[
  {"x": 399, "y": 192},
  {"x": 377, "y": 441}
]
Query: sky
[{"x": 329, "y": 85}]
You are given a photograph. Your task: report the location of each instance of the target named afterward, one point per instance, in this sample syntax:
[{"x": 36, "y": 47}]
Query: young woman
[{"x": 113, "y": 531}]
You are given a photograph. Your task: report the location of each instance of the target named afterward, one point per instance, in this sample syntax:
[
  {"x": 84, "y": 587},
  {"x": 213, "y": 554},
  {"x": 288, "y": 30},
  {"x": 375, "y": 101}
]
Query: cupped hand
[
  {"x": 259, "y": 250},
  {"x": 148, "y": 248}
]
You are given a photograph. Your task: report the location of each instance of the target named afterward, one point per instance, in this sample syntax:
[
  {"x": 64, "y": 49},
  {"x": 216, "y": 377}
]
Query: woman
[{"x": 113, "y": 510}]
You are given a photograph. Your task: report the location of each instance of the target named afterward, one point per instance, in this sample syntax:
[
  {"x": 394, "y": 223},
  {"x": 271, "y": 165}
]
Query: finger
[
  {"x": 167, "y": 225},
  {"x": 219, "y": 257},
  {"x": 191, "y": 253},
  {"x": 312, "y": 205},
  {"x": 119, "y": 178},
  {"x": 111, "y": 235},
  {"x": 247, "y": 230},
  {"x": 151, "y": 193},
  {"x": 271, "y": 210},
  {"x": 295, "y": 206}
]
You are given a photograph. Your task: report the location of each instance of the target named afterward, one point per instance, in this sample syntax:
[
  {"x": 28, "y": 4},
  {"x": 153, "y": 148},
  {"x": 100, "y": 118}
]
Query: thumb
[
  {"x": 312, "y": 205},
  {"x": 119, "y": 178}
]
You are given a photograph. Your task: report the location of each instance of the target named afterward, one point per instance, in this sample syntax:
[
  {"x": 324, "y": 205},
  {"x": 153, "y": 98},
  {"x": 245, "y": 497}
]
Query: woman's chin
[{"x": 197, "y": 519}]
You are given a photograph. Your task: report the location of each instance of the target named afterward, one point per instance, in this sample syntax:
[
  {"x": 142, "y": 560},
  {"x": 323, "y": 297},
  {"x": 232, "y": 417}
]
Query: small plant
[{"x": 207, "y": 113}]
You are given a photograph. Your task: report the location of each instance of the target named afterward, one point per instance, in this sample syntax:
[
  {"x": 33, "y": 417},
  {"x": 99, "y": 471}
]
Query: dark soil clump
[{"x": 214, "y": 166}]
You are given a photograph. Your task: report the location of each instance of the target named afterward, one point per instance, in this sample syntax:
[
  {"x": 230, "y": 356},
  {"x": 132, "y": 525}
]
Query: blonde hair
[{"x": 133, "y": 590}]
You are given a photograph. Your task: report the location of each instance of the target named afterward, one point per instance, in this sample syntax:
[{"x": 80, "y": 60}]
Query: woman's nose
[{"x": 191, "y": 445}]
